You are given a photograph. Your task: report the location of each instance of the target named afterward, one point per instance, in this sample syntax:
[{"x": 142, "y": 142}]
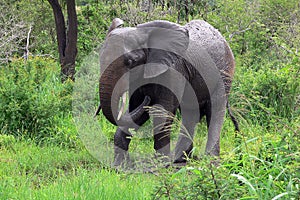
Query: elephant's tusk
[
  {"x": 122, "y": 108},
  {"x": 98, "y": 110}
]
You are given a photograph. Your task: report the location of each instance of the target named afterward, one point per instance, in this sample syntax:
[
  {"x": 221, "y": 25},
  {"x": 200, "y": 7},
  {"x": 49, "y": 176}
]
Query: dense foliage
[{"x": 261, "y": 162}]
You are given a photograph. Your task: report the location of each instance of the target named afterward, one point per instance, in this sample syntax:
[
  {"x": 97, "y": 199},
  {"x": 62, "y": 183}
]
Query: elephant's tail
[{"x": 233, "y": 119}]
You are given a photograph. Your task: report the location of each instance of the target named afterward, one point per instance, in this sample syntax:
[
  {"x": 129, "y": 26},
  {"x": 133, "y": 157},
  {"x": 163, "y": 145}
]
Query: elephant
[{"x": 171, "y": 66}]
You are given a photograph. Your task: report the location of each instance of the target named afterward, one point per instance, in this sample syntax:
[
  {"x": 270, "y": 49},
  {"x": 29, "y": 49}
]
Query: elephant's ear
[
  {"x": 167, "y": 36},
  {"x": 116, "y": 23}
]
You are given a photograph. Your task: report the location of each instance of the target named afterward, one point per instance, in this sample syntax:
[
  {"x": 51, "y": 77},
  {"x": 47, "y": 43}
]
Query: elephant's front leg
[
  {"x": 121, "y": 143},
  {"x": 122, "y": 139},
  {"x": 162, "y": 130}
]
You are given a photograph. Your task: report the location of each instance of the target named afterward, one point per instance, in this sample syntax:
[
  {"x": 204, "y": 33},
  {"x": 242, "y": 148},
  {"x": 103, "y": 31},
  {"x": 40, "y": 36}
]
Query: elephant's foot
[
  {"x": 180, "y": 160},
  {"x": 215, "y": 161},
  {"x": 162, "y": 159},
  {"x": 177, "y": 166},
  {"x": 213, "y": 149},
  {"x": 184, "y": 152},
  {"x": 122, "y": 158}
]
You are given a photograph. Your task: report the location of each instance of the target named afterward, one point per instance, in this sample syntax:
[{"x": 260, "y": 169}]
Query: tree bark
[{"x": 66, "y": 38}]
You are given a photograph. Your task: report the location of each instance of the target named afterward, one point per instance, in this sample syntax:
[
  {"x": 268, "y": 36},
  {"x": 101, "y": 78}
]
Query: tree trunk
[
  {"x": 66, "y": 38},
  {"x": 186, "y": 8},
  {"x": 178, "y": 11},
  {"x": 162, "y": 5}
]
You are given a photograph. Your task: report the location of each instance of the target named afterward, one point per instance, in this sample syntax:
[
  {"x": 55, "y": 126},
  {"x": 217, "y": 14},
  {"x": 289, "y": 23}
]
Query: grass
[
  {"x": 29, "y": 171},
  {"x": 258, "y": 164}
]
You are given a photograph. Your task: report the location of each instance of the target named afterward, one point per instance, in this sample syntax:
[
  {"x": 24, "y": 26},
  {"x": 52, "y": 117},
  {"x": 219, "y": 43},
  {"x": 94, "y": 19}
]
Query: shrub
[
  {"x": 32, "y": 97},
  {"x": 267, "y": 91}
]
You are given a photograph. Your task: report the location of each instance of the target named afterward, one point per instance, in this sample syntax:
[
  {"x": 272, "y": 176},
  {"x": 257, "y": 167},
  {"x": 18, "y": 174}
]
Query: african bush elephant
[{"x": 188, "y": 67}]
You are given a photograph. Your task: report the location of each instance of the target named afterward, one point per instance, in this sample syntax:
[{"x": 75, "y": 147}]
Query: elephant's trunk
[
  {"x": 108, "y": 80},
  {"x": 110, "y": 95}
]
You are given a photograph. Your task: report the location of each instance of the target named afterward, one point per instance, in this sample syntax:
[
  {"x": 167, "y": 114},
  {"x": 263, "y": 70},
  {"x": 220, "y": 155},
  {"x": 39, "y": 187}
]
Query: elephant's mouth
[{"x": 127, "y": 119}]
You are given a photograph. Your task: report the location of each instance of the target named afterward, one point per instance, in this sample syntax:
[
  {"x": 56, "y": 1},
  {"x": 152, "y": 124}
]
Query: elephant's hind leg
[
  {"x": 215, "y": 119},
  {"x": 184, "y": 145}
]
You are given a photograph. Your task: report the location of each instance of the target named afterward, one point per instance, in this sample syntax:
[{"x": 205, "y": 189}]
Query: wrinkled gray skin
[{"x": 197, "y": 35}]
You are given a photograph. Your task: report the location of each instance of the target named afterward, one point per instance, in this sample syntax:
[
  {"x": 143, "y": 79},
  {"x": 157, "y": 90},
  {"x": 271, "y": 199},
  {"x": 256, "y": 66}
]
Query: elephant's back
[
  {"x": 209, "y": 38},
  {"x": 204, "y": 33}
]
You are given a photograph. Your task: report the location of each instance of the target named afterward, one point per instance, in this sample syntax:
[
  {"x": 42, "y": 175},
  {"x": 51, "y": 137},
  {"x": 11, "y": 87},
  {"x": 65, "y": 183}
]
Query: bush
[
  {"x": 268, "y": 91},
  {"x": 32, "y": 97}
]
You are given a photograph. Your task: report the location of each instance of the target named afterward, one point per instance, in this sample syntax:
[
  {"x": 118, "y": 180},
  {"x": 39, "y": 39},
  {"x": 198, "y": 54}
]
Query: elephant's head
[{"x": 128, "y": 47}]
